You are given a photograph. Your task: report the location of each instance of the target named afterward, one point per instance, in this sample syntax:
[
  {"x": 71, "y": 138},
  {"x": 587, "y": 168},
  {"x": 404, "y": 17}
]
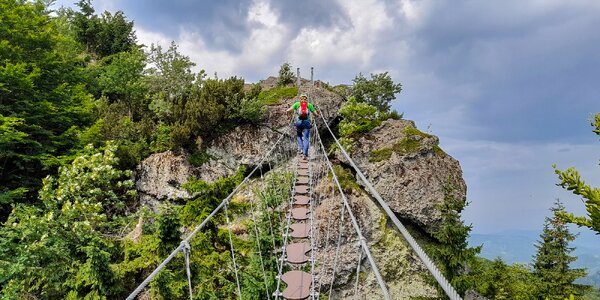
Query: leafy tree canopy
[
  {"x": 378, "y": 91},
  {"x": 572, "y": 181}
]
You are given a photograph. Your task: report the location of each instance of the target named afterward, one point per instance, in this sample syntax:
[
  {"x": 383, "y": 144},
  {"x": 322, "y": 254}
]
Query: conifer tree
[
  {"x": 454, "y": 252},
  {"x": 551, "y": 263},
  {"x": 286, "y": 76}
]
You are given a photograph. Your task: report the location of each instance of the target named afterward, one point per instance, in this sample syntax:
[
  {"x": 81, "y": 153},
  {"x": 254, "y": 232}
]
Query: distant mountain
[{"x": 519, "y": 246}]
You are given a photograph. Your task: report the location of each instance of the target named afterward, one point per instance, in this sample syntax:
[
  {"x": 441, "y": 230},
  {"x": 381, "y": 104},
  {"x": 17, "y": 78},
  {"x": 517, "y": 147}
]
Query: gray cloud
[
  {"x": 529, "y": 68},
  {"x": 310, "y": 14}
]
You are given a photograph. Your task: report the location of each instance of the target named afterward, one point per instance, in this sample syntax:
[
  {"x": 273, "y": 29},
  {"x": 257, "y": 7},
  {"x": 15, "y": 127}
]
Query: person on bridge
[{"x": 303, "y": 111}]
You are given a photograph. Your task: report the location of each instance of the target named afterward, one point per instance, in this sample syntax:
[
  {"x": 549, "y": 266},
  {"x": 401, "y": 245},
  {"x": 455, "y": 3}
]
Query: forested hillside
[{"x": 81, "y": 103}]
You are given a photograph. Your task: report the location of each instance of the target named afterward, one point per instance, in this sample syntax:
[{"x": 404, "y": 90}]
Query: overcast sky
[{"x": 508, "y": 86}]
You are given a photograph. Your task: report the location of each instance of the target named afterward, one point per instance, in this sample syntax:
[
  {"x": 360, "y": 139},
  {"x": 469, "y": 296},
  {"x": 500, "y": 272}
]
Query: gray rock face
[
  {"x": 409, "y": 170},
  {"x": 160, "y": 176},
  {"x": 398, "y": 264}
]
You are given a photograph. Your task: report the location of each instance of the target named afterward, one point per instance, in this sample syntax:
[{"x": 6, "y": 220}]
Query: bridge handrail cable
[{"x": 186, "y": 241}]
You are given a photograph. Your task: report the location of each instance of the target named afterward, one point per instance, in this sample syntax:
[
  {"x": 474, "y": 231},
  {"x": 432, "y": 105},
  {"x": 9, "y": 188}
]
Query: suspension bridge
[{"x": 299, "y": 272}]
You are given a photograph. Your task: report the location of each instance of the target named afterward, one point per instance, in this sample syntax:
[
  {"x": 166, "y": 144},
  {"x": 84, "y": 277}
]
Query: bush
[
  {"x": 409, "y": 144},
  {"x": 272, "y": 96},
  {"x": 358, "y": 118},
  {"x": 251, "y": 110},
  {"x": 394, "y": 115},
  {"x": 199, "y": 157}
]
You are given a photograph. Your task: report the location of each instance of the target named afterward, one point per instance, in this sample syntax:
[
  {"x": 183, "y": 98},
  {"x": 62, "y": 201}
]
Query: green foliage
[
  {"x": 551, "y": 262},
  {"x": 121, "y": 79},
  {"x": 409, "y": 144},
  {"x": 274, "y": 95},
  {"x": 61, "y": 247},
  {"x": 171, "y": 82},
  {"x": 286, "y": 76},
  {"x": 103, "y": 35},
  {"x": 78, "y": 102},
  {"x": 453, "y": 252},
  {"x": 571, "y": 180},
  {"x": 199, "y": 157},
  {"x": 358, "y": 118},
  {"x": 380, "y": 154},
  {"x": 379, "y": 91},
  {"x": 43, "y": 97},
  {"x": 394, "y": 115},
  {"x": 346, "y": 179},
  {"x": 168, "y": 231},
  {"x": 497, "y": 280},
  {"x": 209, "y": 197}
]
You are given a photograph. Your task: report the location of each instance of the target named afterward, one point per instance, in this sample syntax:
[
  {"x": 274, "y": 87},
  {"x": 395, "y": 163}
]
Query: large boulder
[
  {"x": 409, "y": 170},
  {"x": 398, "y": 264},
  {"x": 161, "y": 176}
]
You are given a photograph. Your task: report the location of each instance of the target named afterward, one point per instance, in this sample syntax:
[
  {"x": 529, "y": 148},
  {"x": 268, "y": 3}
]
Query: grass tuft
[{"x": 274, "y": 95}]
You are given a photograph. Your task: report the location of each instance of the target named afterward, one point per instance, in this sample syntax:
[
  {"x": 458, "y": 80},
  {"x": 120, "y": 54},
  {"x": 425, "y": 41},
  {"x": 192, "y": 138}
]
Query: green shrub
[
  {"x": 412, "y": 131},
  {"x": 251, "y": 110},
  {"x": 160, "y": 139},
  {"x": 358, "y": 118},
  {"x": 346, "y": 179},
  {"x": 405, "y": 146},
  {"x": 198, "y": 158},
  {"x": 379, "y": 91},
  {"x": 272, "y": 96},
  {"x": 394, "y": 115},
  {"x": 380, "y": 155}
]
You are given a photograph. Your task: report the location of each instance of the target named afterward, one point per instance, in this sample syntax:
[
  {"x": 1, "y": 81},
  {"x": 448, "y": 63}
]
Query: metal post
[
  {"x": 312, "y": 83},
  {"x": 298, "y": 77}
]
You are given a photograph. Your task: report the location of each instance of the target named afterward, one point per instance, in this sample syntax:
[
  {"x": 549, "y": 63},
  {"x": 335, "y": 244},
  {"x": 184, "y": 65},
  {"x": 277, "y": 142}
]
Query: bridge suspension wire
[
  {"x": 285, "y": 235},
  {"x": 358, "y": 263},
  {"x": 439, "y": 277},
  {"x": 257, "y": 234},
  {"x": 185, "y": 244},
  {"x": 362, "y": 239},
  {"x": 328, "y": 232},
  {"x": 235, "y": 268}
]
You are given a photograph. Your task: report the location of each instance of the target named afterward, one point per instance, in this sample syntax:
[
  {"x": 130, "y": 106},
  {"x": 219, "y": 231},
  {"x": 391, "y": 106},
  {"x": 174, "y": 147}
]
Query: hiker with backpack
[{"x": 303, "y": 111}]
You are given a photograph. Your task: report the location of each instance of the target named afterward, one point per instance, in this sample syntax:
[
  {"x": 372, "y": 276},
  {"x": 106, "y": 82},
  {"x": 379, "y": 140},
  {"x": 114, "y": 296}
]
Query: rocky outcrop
[
  {"x": 161, "y": 175},
  {"x": 398, "y": 264},
  {"x": 409, "y": 170}
]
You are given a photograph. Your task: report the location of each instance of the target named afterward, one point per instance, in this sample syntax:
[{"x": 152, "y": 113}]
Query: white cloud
[
  {"x": 355, "y": 44},
  {"x": 414, "y": 12},
  {"x": 259, "y": 49}
]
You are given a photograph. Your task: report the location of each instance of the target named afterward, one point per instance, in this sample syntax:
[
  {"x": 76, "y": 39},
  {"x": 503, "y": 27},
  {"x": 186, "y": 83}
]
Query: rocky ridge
[{"x": 406, "y": 166}]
